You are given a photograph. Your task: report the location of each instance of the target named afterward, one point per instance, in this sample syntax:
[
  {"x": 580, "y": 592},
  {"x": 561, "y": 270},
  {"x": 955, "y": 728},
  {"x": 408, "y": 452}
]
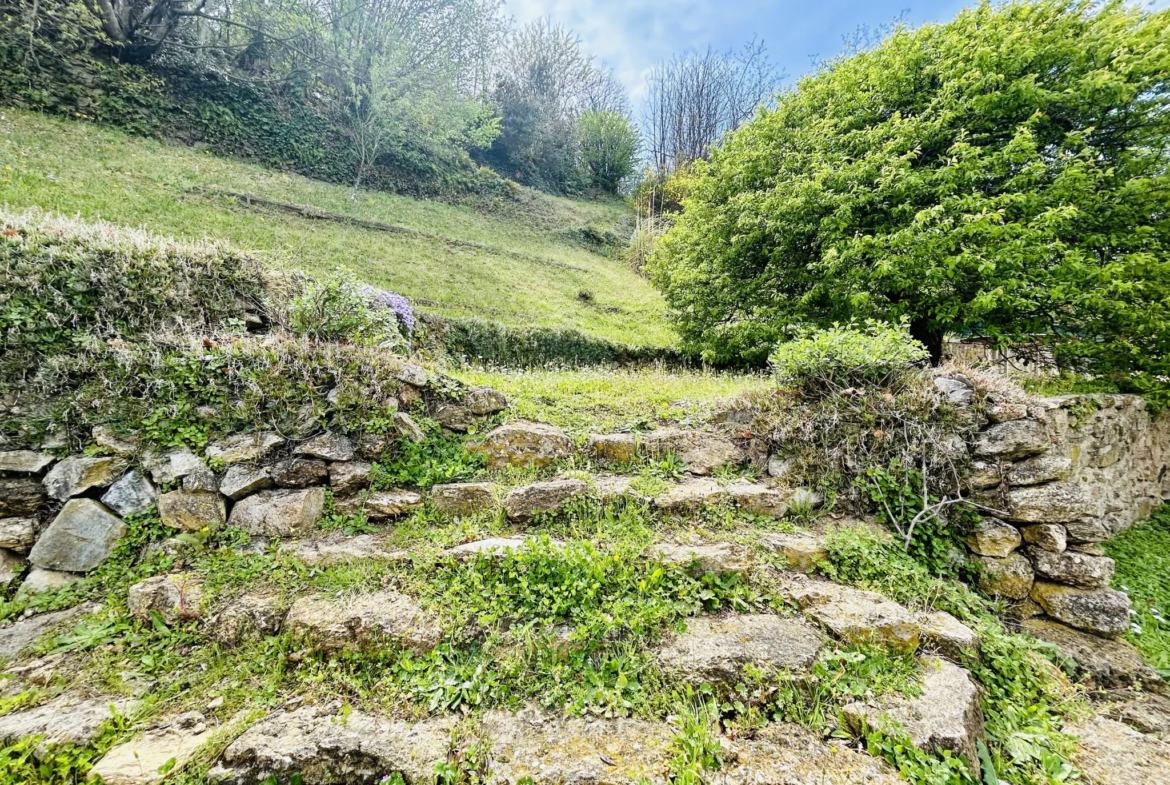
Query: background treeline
[{"x": 416, "y": 96}]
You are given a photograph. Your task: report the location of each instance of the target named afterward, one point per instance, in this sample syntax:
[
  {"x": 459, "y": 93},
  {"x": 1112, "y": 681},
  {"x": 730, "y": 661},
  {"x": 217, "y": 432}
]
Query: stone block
[
  {"x": 523, "y": 443},
  {"x": 82, "y": 536},
  {"x": 278, "y": 513},
  {"x": 76, "y": 475},
  {"x": 1101, "y": 611},
  {"x": 192, "y": 512}
]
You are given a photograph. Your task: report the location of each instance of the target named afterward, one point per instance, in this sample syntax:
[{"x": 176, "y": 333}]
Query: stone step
[
  {"x": 947, "y": 716},
  {"x": 716, "y": 650},
  {"x": 854, "y": 615},
  {"x": 551, "y": 750}
]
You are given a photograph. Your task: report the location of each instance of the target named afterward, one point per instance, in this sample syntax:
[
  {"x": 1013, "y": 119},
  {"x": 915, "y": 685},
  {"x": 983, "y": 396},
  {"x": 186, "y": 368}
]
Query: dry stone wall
[{"x": 1056, "y": 479}]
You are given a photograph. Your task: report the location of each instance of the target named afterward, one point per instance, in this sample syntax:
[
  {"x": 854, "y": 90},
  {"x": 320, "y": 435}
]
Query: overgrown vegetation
[
  {"x": 77, "y": 169},
  {"x": 1143, "y": 572},
  {"x": 1000, "y": 174}
]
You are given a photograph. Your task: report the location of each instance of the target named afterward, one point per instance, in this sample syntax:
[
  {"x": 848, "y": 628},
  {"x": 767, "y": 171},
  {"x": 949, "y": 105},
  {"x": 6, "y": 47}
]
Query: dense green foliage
[
  {"x": 609, "y": 146},
  {"x": 526, "y": 347},
  {"x": 67, "y": 286},
  {"x": 1004, "y": 173},
  {"x": 54, "y": 58},
  {"x": 829, "y": 361},
  {"x": 1143, "y": 572}
]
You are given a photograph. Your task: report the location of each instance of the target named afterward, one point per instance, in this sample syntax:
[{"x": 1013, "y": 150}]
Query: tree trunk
[{"x": 930, "y": 337}]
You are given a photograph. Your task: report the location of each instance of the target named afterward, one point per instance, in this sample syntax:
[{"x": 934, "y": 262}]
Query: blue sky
[{"x": 631, "y": 35}]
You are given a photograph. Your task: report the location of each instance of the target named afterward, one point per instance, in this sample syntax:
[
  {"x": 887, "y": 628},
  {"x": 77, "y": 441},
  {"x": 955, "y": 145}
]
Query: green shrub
[
  {"x": 1001, "y": 173},
  {"x": 829, "y": 361},
  {"x": 338, "y": 308},
  {"x": 528, "y": 347},
  {"x": 66, "y": 285}
]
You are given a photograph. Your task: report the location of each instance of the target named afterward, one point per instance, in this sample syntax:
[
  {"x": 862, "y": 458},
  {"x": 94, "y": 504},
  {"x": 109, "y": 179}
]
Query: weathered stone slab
[
  {"x": 172, "y": 743},
  {"x": 945, "y": 634},
  {"x": 1086, "y": 531},
  {"x": 1056, "y": 502},
  {"x": 613, "y": 447},
  {"x": 249, "y": 617},
  {"x": 240, "y": 481},
  {"x": 857, "y": 616},
  {"x": 1012, "y": 439},
  {"x": 18, "y": 637},
  {"x": 299, "y": 473},
  {"x": 785, "y": 754},
  {"x": 1142, "y": 711},
  {"x": 391, "y": 504},
  {"x": 524, "y": 443},
  {"x": 464, "y": 498},
  {"x": 1111, "y": 753},
  {"x": 67, "y": 719},
  {"x": 993, "y": 537},
  {"x": 710, "y": 557},
  {"x": 315, "y": 742},
  {"x": 335, "y": 624},
  {"x": 1075, "y": 569},
  {"x": 11, "y": 565},
  {"x": 348, "y": 477},
  {"x": 201, "y": 482},
  {"x": 131, "y": 495},
  {"x": 18, "y": 534},
  {"x": 525, "y": 503},
  {"x": 39, "y": 581},
  {"x": 414, "y": 375},
  {"x": 74, "y": 476},
  {"x": 553, "y": 750},
  {"x": 328, "y": 447},
  {"x": 716, "y": 650},
  {"x": 947, "y": 716},
  {"x": 176, "y": 597},
  {"x": 82, "y": 536},
  {"x": 278, "y": 513},
  {"x": 20, "y": 496},
  {"x": 25, "y": 461},
  {"x": 172, "y": 466},
  {"x": 759, "y": 499},
  {"x": 803, "y": 551},
  {"x": 453, "y": 417},
  {"x": 407, "y": 428},
  {"x": 1049, "y": 536},
  {"x": 1113, "y": 664},
  {"x": 490, "y": 547},
  {"x": 703, "y": 452},
  {"x": 691, "y": 495},
  {"x": 332, "y": 552},
  {"x": 1009, "y": 577},
  {"x": 243, "y": 447},
  {"x": 484, "y": 400},
  {"x": 192, "y": 512},
  {"x": 1102, "y": 611},
  {"x": 108, "y": 439}
]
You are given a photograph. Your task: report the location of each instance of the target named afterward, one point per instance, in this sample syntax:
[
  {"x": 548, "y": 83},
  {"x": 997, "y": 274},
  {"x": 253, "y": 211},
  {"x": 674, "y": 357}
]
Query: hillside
[
  {"x": 77, "y": 168},
  {"x": 242, "y": 546}
]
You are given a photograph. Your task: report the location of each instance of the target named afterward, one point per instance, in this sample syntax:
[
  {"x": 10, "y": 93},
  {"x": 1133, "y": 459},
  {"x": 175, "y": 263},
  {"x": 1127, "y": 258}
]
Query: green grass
[
  {"x": 1143, "y": 572},
  {"x": 596, "y": 400},
  {"x": 75, "y": 168}
]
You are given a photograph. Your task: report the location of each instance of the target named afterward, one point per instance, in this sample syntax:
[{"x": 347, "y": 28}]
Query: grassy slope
[{"x": 78, "y": 168}]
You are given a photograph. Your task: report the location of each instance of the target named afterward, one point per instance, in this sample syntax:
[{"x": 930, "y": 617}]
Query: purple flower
[{"x": 380, "y": 299}]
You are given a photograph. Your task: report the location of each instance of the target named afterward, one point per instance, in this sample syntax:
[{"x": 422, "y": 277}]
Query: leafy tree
[
  {"x": 544, "y": 83},
  {"x": 1005, "y": 173},
  {"x": 609, "y": 145}
]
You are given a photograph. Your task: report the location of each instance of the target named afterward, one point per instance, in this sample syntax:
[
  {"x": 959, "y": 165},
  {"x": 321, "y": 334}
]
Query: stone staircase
[{"x": 66, "y": 517}]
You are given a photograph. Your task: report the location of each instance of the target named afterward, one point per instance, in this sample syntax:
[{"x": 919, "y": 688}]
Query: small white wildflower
[{"x": 1135, "y": 628}]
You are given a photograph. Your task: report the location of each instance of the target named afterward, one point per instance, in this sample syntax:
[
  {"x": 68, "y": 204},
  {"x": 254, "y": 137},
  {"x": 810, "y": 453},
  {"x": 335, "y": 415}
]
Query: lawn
[
  {"x": 76, "y": 168},
  {"x": 592, "y": 400}
]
